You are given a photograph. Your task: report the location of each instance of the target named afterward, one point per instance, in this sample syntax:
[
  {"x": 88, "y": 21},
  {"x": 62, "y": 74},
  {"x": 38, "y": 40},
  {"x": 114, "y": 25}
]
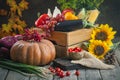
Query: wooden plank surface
[
  {"x": 108, "y": 74},
  {"x": 93, "y": 74},
  {"x": 59, "y": 38},
  {"x": 82, "y": 74},
  {"x": 16, "y": 76},
  {"x": 113, "y": 74},
  {"x": 50, "y": 77},
  {"x": 71, "y": 77},
  {"x": 70, "y": 38},
  {"x": 61, "y": 51},
  {"x": 3, "y": 74},
  {"x": 78, "y": 36},
  {"x": 117, "y": 54},
  {"x": 117, "y": 71}
]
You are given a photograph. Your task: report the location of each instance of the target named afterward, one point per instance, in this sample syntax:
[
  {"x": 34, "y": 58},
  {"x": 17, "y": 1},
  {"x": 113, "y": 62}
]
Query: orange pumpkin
[{"x": 32, "y": 52}]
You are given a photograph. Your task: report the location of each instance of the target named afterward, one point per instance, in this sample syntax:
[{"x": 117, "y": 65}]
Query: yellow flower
[
  {"x": 103, "y": 33},
  {"x": 98, "y": 49}
]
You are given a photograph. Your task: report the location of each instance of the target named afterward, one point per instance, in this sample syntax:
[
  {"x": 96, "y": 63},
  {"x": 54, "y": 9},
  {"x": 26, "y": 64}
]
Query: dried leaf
[
  {"x": 23, "y": 4},
  {"x": 11, "y": 2},
  {"x": 19, "y": 12},
  {"x": 20, "y": 29},
  {"x": 22, "y": 23},
  {"x": 3, "y": 12},
  {"x": 15, "y": 26},
  {"x": 6, "y": 28}
]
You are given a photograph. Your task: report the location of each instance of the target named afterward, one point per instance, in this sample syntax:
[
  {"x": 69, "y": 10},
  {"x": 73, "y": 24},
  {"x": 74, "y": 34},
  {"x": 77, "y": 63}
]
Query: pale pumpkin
[{"x": 32, "y": 52}]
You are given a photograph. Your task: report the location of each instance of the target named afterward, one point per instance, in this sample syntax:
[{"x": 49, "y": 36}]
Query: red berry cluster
[
  {"x": 47, "y": 24},
  {"x": 59, "y": 72},
  {"x": 59, "y": 18},
  {"x": 32, "y": 35},
  {"x": 76, "y": 49}
]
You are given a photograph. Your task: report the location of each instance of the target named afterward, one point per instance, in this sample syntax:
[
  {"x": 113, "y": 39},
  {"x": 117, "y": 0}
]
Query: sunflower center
[
  {"x": 101, "y": 36},
  {"x": 98, "y": 50}
]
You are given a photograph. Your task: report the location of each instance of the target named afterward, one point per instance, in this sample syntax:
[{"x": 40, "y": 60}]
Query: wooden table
[{"x": 85, "y": 74}]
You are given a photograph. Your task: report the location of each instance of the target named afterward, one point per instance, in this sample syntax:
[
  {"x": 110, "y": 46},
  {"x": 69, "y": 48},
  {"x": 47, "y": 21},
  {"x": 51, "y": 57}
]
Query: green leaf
[
  {"x": 115, "y": 46},
  {"x": 79, "y": 4}
]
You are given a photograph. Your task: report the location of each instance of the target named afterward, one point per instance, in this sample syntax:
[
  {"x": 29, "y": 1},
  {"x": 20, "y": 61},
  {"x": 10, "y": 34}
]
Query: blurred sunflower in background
[
  {"x": 103, "y": 33},
  {"x": 98, "y": 49}
]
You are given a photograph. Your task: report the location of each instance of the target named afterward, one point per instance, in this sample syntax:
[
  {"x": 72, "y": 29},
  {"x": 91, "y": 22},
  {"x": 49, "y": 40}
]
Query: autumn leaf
[
  {"x": 22, "y": 23},
  {"x": 15, "y": 26},
  {"x": 6, "y": 28},
  {"x": 3, "y": 12},
  {"x": 11, "y": 21},
  {"x": 23, "y": 4},
  {"x": 11, "y": 2},
  {"x": 19, "y": 12},
  {"x": 20, "y": 29}
]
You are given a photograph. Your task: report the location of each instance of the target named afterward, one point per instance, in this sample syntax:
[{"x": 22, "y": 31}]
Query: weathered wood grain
[
  {"x": 62, "y": 51},
  {"x": 93, "y": 74},
  {"x": 111, "y": 74},
  {"x": 3, "y": 73},
  {"x": 117, "y": 73},
  {"x": 50, "y": 77},
  {"x": 117, "y": 54},
  {"x": 108, "y": 74},
  {"x": 71, "y": 77},
  {"x": 70, "y": 38},
  {"x": 82, "y": 74},
  {"x": 16, "y": 76}
]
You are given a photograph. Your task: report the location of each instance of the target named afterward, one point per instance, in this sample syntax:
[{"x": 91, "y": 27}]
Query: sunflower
[
  {"x": 103, "y": 33},
  {"x": 98, "y": 49}
]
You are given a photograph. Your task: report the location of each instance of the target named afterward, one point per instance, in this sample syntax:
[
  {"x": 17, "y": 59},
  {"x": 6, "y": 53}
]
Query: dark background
[{"x": 110, "y": 12}]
